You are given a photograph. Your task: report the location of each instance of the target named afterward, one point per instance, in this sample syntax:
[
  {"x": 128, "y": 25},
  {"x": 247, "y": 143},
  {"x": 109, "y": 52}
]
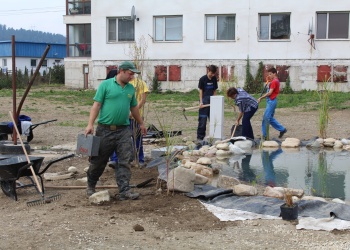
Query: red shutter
[
  {"x": 160, "y": 72},
  {"x": 282, "y": 72},
  {"x": 174, "y": 73},
  {"x": 226, "y": 74},
  {"x": 340, "y": 73},
  {"x": 323, "y": 73}
]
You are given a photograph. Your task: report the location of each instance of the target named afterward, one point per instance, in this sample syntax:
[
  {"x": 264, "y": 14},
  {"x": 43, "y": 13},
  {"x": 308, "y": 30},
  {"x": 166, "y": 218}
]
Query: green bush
[
  {"x": 156, "y": 85},
  {"x": 57, "y": 74},
  {"x": 287, "y": 89}
]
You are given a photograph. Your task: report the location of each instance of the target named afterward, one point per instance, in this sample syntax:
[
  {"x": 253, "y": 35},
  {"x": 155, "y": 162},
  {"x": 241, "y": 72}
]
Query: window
[
  {"x": 274, "y": 26},
  {"x": 79, "y": 40},
  {"x": 44, "y": 63},
  {"x": 4, "y": 62},
  {"x": 332, "y": 25},
  {"x": 168, "y": 28},
  {"x": 120, "y": 29},
  {"x": 33, "y": 62},
  {"x": 220, "y": 28}
]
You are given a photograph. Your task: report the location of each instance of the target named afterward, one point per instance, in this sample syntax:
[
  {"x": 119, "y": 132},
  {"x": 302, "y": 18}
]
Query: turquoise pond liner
[{"x": 324, "y": 173}]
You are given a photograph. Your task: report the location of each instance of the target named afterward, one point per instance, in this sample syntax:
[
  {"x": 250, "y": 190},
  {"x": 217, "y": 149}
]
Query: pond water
[{"x": 323, "y": 173}]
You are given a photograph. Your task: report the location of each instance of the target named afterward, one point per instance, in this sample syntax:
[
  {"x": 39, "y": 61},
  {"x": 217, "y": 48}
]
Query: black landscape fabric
[{"x": 267, "y": 205}]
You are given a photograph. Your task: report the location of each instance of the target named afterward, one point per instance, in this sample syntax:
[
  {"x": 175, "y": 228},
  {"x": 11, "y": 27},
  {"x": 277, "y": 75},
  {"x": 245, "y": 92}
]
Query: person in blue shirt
[{"x": 247, "y": 105}]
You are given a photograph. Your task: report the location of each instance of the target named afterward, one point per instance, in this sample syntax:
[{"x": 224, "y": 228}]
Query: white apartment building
[{"x": 309, "y": 41}]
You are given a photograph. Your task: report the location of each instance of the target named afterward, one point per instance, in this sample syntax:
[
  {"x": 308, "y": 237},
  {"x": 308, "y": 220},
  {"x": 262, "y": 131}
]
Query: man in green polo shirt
[{"x": 114, "y": 99}]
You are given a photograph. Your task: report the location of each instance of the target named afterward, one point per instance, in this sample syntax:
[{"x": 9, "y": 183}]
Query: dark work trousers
[
  {"x": 204, "y": 114},
  {"x": 112, "y": 140},
  {"x": 135, "y": 129},
  {"x": 247, "y": 130}
]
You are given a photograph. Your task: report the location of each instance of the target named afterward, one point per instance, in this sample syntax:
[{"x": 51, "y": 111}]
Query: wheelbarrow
[
  {"x": 6, "y": 130},
  {"x": 14, "y": 167}
]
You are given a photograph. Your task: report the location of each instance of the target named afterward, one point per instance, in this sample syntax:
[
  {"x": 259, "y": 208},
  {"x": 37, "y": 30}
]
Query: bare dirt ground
[{"x": 170, "y": 222}]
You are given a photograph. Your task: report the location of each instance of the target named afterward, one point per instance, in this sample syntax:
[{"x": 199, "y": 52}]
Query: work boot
[
  {"x": 128, "y": 195},
  {"x": 90, "y": 191},
  {"x": 282, "y": 133},
  {"x": 112, "y": 164}
]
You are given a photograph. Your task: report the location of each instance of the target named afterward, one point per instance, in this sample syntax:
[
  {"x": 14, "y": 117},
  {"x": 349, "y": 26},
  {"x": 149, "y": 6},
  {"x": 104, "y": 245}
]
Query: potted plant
[{"x": 289, "y": 210}]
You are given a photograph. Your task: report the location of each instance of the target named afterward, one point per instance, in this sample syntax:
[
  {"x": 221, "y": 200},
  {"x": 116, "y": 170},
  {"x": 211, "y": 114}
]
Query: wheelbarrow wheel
[
  {"x": 7, "y": 147},
  {"x": 9, "y": 189}
]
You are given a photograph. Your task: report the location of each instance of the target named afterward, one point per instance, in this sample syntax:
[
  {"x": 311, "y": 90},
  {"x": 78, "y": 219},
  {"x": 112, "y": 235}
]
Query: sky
[{"x": 39, "y": 15}]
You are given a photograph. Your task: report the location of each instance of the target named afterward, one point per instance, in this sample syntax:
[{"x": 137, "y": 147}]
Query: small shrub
[
  {"x": 156, "y": 85},
  {"x": 287, "y": 89},
  {"x": 57, "y": 74}
]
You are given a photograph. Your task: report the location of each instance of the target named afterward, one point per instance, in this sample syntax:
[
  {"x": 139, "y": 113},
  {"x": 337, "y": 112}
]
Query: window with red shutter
[
  {"x": 161, "y": 72},
  {"x": 323, "y": 73},
  {"x": 175, "y": 73}
]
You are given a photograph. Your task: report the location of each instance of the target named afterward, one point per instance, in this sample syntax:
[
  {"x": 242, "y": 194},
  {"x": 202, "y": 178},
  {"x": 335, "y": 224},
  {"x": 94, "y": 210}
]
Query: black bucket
[{"x": 289, "y": 213}]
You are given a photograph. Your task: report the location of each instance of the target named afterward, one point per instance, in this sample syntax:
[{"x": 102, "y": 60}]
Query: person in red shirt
[{"x": 271, "y": 94}]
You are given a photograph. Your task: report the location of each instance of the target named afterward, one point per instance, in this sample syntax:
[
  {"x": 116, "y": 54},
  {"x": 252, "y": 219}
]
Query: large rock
[
  {"x": 211, "y": 152},
  {"x": 291, "y": 143},
  {"x": 200, "y": 180},
  {"x": 345, "y": 141},
  {"x": 204, "y": 161},
  {"x": 227, "y": 182},
  {"x": 222, "y": 146},
  {"x": 293, "y": 191},
  {"x": 99, "y": 197},
  {"x": 181, "y": 179},
  {"x": 329, "y": 142},
  {"x": 223, "y": 153},
  {"x": 338, "y": 144},
  {"x": 244, "y": 190},
  {"x": 272, "y": 192},
  {"x": 202, "y": 170}
]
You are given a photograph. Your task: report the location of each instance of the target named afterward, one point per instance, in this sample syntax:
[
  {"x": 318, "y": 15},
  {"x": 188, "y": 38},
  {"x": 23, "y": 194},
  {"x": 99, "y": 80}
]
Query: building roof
[{"x": 31, "y": 49}]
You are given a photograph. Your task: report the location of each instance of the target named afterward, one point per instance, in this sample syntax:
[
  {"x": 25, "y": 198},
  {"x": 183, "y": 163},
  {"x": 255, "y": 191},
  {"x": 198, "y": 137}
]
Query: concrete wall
[{"x": 193, "y": 53}]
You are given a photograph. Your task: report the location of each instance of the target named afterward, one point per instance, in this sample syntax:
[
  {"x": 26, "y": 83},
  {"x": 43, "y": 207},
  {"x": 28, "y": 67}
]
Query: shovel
[{"x": 140, "y": 185}]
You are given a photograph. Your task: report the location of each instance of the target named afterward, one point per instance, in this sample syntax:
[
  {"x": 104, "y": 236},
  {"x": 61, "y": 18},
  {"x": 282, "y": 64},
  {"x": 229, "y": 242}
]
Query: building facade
[
  {"x": 308, "y": 42},
  {"x": 28, "y": 55}
]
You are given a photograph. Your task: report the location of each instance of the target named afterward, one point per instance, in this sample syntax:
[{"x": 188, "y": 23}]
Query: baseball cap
[{"x": 129, "y": 66}]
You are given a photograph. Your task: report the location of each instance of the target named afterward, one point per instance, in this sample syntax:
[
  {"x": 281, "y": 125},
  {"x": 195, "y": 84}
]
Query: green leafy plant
[
  {"x": 249, "y": 79},
  {"x": 156, "y": 85},
  {"x": 287, "y": 89}
]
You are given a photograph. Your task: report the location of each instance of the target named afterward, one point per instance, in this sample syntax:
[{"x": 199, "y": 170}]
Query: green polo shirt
[{"x": 115, "y": 102}]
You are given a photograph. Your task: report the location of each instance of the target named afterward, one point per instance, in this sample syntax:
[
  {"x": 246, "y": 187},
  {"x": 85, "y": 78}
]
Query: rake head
[{"x": 44, "y": 200}]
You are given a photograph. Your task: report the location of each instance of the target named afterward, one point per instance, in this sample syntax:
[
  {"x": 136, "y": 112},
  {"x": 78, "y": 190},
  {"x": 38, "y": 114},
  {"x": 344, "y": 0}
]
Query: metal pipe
[{"x": 13, "y": 45}]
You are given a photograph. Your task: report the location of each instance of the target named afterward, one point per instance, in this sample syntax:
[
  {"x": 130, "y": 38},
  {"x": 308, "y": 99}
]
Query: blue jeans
[
  {"x": 139, "y": 145},
  {"x": 267, "y": 160},
  {"x": 268, "y": 118}
]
